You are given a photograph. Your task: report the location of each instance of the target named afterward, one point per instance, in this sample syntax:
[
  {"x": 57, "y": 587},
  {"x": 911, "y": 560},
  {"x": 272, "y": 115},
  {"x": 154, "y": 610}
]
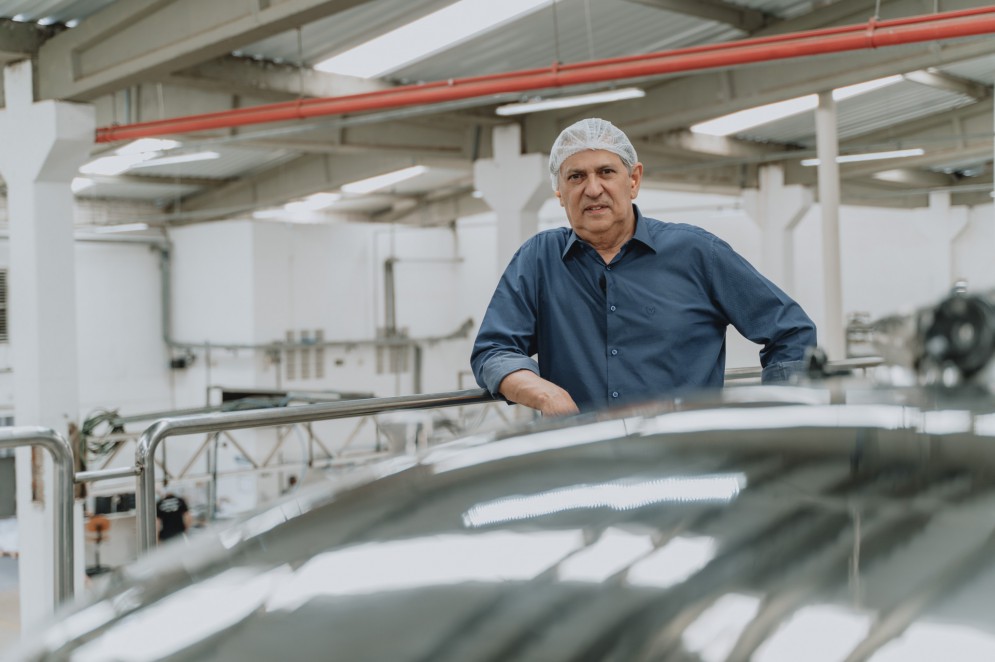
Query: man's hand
[{"x": 527, "y": 388}]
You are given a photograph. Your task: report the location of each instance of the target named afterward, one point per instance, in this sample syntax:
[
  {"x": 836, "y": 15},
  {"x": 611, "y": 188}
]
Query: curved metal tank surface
[{"x": 758, "y": 530}]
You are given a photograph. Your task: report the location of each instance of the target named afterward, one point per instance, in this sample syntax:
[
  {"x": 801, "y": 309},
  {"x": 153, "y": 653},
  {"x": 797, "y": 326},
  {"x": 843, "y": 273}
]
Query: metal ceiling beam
[
  {"x": 21, "y": 40},
  {"x": 953, "y": 129},
  {"x": 311, "y": 173},
  {"x": 943, "y": 81},
  {"x": 979, "y": 150},
  {"x": 681, "y": 102},
  {"x": 435, "y": 211},
  {"x": 846, "y": 12},
  {"x": 860, "y": 37},
  {"x": 269, "y": 80},
  {"x": 742, "y": 18},
  {"x": 161, "y": 180},
  {"x": 140, "y": 39}
]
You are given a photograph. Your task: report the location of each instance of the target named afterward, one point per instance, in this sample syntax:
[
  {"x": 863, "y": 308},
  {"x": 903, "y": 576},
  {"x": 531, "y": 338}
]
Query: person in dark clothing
[{"x": 173, "y": 515}]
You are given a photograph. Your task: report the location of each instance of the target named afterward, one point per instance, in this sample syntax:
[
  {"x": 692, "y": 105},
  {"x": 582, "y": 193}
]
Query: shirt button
[
  {"x": 609, "y": 268},
  {"x": 614, "y": 352},
  {"x": 612, "y": 309},
  {"x": 614, "y": 394}
]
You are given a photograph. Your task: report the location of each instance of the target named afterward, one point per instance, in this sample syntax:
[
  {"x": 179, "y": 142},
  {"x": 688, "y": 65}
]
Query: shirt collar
[{"x": 642, "y": 235}]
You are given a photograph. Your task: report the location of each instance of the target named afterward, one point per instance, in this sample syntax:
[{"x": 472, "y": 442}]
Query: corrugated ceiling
[
  {"x": 569, "y": 31},
  {"x": 863, "y": 114}
]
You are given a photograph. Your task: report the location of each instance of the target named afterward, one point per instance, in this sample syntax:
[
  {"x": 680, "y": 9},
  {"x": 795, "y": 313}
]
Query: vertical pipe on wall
[{"x": 827, "y": 148}]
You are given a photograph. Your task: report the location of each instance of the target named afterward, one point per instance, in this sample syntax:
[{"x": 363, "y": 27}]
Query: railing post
[
  {"x": 62, "y": 459},
  {"x": 145, "y": 479}
]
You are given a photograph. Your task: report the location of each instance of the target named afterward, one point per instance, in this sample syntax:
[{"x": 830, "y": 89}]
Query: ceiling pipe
[{"x": 873, "y": 34}]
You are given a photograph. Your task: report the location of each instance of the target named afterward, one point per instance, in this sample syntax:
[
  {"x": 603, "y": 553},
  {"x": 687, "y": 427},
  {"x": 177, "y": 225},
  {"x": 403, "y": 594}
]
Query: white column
[
  {"x": 777, "y": 209},
  {"x": 44, "y": 144},
  {"x": 942, "y": 224},
  {"x": 831, "y": 337},
  {"x": 514, "y": 185}
]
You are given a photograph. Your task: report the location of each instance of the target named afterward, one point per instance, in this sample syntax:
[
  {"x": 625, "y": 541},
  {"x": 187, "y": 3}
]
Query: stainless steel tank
[{"x": 837, "y": 521}]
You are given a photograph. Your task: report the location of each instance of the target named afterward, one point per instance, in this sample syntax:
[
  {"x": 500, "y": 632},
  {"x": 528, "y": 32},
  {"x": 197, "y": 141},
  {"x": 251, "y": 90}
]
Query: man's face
[{"x": 597, "y": 191}]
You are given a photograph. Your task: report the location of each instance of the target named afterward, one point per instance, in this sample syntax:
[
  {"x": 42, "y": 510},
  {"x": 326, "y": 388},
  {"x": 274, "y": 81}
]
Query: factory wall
[{"x": 251, "y": 282}]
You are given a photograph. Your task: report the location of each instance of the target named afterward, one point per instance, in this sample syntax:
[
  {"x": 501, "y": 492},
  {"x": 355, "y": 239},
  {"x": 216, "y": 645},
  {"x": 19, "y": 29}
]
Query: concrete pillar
[
  {"x": 777, "y": 209},
  {"x": 515, "y": 186},
  {"x": 942, "y": 224},
  {"x": 831, "y": 337},
  {"x": 44, "y": 143}
]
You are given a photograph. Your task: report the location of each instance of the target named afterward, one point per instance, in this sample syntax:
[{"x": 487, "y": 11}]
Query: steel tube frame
[
  {"x": 870, "y": 35},
  {"x": 104, "y": 474},
  {"x": 62, "y": 459},
  {"x": 220, "y": 421}
]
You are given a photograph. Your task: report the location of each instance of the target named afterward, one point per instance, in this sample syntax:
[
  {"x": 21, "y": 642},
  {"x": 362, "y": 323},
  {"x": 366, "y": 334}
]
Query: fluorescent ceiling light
[
  {"x": 383, "y": 181},
  {"x": 435, "y": 32},
  {"x": 143, "y": 150},
  {"x": 870, "y": 156},
  {"x": 123, "y": 227},
  {"x": 569, "y": 102},
  {"x": 179, "y": 158},
  {"x": 862, "y": 88},
  {"x": 314, "y": 202},
  {"x": 751, "y": 117}
]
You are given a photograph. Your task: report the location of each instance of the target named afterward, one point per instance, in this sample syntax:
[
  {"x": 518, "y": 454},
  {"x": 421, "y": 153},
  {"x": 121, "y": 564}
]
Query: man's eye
[{"x": 574, "y": 177}]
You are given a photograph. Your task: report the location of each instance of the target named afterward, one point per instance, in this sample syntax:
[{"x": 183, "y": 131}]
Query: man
[
  {"x": 621, "y": 308},
  {"x": 173, "y": 515}
]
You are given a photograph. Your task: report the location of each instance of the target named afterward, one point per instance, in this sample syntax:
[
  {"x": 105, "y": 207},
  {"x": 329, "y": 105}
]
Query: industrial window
[{"x": 3, "y": 306}]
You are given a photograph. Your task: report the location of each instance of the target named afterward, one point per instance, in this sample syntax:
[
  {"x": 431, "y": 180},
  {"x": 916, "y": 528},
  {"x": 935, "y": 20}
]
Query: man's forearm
[{"x": 529, "y": 389}]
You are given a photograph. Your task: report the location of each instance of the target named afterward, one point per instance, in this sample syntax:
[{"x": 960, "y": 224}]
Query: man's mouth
[{"x": 596, "y": 208}]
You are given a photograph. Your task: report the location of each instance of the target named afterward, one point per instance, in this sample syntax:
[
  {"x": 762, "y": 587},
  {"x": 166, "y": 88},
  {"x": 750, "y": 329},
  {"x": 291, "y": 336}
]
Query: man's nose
[{"x": 592, "y": 187}]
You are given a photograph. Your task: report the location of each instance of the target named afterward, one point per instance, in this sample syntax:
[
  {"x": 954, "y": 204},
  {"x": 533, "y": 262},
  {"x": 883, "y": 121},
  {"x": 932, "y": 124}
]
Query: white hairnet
[{"x": 590, "y": 133}]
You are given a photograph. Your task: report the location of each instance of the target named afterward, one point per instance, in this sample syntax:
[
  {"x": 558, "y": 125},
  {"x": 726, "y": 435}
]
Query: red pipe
[{"x": 873, "y": 34}]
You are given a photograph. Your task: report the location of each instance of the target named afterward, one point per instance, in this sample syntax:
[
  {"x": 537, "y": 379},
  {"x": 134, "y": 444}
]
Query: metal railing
[
  {"x": 732, "y": 375},
  {"x": 144, "y": 467},
  {"x": 220, "y": 421},
  {"x": 62, "y": 459}
]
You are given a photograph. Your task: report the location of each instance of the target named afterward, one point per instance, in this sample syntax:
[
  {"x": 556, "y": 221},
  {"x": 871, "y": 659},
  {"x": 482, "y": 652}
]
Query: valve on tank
[{"x": 957, "y": 333}]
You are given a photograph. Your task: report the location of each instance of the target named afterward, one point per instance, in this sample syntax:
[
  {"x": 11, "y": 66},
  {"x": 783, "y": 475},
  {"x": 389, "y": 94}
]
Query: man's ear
[
  {"x": 559, "y": 197},
  {"x": 636, "y": 179}
]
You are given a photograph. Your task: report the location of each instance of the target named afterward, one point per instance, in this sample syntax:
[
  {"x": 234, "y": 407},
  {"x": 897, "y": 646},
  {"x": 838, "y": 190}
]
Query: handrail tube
[
  {"x": 62, "y": 459},
  {"x": 874, "y": 34},
  {"x": 855, "y": 363},
  {"x": 104, "y": 474},
  {"x": 219, "y": 421}
]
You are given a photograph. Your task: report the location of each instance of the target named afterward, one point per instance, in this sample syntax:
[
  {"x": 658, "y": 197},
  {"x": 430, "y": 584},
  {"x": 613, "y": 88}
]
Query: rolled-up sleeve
[{"x": 507, "y": 337}]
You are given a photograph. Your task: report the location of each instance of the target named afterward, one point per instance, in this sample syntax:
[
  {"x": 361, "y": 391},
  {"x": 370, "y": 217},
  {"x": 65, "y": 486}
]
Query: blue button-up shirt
[{"x": 649, "y": 324}]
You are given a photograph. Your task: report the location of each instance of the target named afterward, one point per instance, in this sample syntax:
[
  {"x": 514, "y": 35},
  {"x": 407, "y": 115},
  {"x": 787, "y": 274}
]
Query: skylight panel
[{"x": 430, "y": 34}]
